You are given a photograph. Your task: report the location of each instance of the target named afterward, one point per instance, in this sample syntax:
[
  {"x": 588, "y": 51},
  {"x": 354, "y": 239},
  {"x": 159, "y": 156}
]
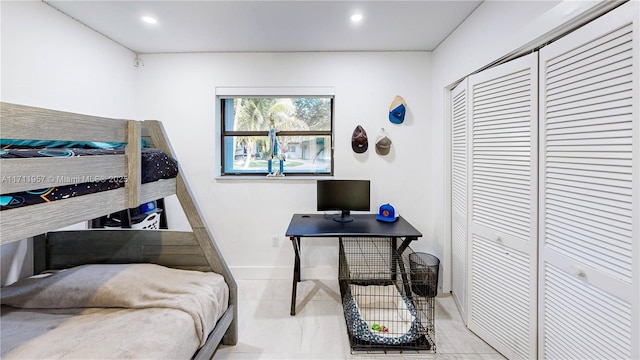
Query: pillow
[{"x": 376, "y": 296}]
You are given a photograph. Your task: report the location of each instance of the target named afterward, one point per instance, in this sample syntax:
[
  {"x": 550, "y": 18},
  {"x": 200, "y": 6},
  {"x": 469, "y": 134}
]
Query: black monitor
[{"x": 344, "y": 196}]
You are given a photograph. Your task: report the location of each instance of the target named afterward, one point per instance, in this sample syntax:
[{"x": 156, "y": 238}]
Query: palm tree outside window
[{"x": 304, "y": 128}]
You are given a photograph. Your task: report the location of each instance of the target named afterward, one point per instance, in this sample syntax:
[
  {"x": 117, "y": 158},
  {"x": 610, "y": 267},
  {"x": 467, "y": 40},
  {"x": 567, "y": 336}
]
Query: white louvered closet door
[
  {"x": 590, "y": 191},
  {"x": 459, "y": 196},
  {"x": 503, "y": 206}
]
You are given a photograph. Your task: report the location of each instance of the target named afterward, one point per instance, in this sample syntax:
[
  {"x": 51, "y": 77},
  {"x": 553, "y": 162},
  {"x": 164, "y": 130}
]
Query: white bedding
[
  {"x": 95, "y": 333},
  {"x": 384, "y": 306},
  {"x": 111, "y": 311}
]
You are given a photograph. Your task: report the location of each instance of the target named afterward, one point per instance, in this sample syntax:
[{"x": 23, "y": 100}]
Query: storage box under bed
[{"x": 388, "y": 303}]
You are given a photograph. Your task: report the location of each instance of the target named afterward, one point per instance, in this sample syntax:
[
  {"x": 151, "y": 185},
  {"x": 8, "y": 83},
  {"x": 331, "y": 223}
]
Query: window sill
[{"x": 274, "y": 178}]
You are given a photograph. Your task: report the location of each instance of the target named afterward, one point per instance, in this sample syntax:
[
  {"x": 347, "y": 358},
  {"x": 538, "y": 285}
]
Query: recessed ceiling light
[
  {"x": 149, "y": 20},
  {"x": 356, "y": 17}
]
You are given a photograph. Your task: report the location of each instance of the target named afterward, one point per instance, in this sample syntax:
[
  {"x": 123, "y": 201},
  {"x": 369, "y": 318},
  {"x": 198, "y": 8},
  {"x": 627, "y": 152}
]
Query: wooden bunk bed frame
[{"x": 195, "y": 250}]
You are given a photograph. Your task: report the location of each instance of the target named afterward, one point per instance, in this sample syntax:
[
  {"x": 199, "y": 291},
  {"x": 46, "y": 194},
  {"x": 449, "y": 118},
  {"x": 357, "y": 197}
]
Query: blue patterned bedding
[{"x": 155, "y": 165}]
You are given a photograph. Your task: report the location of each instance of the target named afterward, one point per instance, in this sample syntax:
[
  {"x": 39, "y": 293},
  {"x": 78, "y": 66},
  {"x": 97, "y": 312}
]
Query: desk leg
[
  {"x": 298, "y": 256},
  {"x": 394, "y": 258},
  {"x": 295, "y": 241},
  {"x": 405, "y": 244},
  {"x": 404, "y": 268}
]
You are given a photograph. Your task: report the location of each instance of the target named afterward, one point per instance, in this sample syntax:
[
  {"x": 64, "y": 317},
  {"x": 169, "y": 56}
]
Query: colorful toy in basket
[{"x": 380, "y": 328}]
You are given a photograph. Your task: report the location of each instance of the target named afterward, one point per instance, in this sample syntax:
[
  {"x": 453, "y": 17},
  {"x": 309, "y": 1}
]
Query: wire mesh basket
[
  {"x": 150, "y": 221},
  {"x": 388, "y": 305}
]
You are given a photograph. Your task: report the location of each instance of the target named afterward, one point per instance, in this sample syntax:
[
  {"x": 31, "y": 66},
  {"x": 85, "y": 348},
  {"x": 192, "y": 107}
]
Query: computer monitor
[{"x": 344, "y": 196}]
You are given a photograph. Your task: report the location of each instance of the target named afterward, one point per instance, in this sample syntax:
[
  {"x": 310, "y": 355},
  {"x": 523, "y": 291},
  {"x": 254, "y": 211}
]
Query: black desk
[{"x": 365, "y": 225}]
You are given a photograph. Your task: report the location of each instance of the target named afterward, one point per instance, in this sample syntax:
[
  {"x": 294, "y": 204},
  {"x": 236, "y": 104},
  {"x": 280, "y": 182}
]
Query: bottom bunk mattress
[
  {"x": 111, "y": 311},
  {"x": 381, "y": 315}
]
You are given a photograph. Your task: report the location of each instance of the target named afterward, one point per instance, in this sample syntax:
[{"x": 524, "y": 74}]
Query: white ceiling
[{"x": 230, "y": 26}]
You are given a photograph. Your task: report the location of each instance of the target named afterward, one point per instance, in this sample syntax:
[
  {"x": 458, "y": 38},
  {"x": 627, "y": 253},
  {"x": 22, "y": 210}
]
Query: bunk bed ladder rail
[{"x": 156, "y": 135}]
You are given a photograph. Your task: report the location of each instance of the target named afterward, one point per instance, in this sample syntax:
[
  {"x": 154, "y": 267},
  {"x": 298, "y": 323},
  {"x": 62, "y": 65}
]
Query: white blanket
[
  {"x": 202, "y": 296},
  {"x": 97, "y": 333}
]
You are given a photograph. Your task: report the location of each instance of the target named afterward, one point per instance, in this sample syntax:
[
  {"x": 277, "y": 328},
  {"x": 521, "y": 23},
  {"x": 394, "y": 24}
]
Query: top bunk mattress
[{"x": 155, "y": 165}]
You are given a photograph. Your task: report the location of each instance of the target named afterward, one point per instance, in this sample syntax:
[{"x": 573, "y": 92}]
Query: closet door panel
[
  {"x": 589, "y": 190},
  {"x": 502, "y": 239},
  {"x": 459, "y": 196},
  {"x": 582, "y": 321}
]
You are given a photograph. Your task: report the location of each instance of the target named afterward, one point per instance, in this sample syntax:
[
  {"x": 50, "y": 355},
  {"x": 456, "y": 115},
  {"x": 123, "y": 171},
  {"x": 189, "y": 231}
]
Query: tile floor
[{"x": 318, "y": 331}]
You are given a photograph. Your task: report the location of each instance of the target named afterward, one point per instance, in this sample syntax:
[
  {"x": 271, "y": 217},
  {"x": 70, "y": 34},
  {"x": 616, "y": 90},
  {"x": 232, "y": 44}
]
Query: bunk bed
[{"x": 62, "y": 253}]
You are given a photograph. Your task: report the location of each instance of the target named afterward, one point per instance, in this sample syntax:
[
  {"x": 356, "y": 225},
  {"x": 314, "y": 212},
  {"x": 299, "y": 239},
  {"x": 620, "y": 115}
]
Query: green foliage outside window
[{"x": 304, "y": 132}]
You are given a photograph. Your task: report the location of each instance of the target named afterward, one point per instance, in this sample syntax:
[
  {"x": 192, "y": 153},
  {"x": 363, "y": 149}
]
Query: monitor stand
[{"x": 343, "y": 217}]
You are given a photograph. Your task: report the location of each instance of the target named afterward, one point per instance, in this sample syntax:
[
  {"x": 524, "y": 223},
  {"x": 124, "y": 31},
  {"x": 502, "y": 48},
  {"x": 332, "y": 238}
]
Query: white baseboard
[{"x": 283, "y": 272}]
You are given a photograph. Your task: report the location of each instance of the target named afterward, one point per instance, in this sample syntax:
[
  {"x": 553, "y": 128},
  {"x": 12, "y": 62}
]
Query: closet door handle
[
  {"x": 497, "y": 239},
  {"x": 578, "y": 271}
]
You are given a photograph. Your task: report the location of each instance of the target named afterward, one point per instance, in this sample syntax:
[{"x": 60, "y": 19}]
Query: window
[{"x": 304, "y": 133}]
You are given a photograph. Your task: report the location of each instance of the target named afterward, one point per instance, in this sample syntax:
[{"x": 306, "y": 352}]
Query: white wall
[
  {"x": 179, "y": 90},
  {"x": 16, "y": 261},
  {"x": 495, "y": 29},
  {"x": 52, "y": 61},
  {"x": 49, "y": 60}
]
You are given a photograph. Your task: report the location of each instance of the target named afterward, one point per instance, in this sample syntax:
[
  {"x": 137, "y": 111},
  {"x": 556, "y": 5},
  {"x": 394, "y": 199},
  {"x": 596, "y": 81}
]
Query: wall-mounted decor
[
  {"x": 397, "y": 110},
  {"x": 359, "y": 140},
  {"x": 383, "y": 143}
]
